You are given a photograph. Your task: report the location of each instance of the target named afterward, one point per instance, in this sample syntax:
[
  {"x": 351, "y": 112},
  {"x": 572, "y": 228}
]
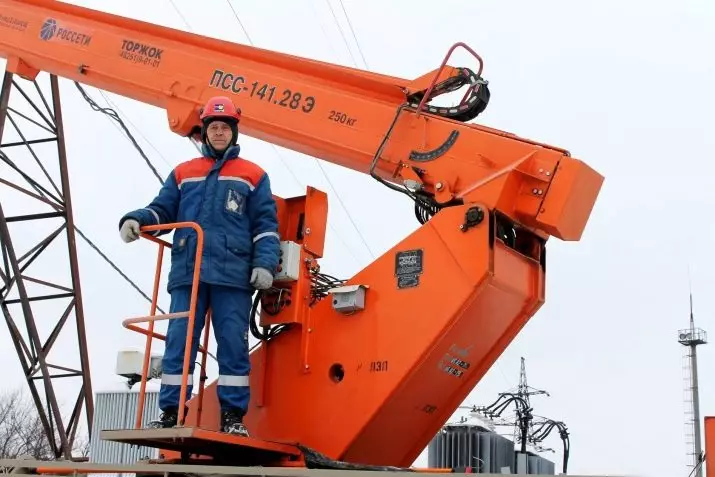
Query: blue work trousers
[{"x": 230, "y": 312}]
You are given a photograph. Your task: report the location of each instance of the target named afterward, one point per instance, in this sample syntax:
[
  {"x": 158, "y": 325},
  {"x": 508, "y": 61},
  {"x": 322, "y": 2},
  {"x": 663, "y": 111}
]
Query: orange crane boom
[{"x": 370, "y": 374}]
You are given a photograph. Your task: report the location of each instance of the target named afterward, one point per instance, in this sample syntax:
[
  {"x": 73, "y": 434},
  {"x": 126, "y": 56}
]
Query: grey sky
[{"x": 625, "y": 86}]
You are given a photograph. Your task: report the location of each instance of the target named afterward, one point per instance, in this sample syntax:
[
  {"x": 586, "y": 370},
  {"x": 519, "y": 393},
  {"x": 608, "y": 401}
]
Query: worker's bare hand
[
  {"x": 261, "y": 279},
  {"x": 130, "y": 230}
]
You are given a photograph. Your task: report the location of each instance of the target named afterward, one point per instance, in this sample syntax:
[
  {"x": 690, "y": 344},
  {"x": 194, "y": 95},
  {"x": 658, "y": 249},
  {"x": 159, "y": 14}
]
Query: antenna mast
[{"x": 690, "y": 338}]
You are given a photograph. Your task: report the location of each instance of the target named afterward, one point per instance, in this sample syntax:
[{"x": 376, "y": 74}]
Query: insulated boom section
[{"x": 360, "y": 120}]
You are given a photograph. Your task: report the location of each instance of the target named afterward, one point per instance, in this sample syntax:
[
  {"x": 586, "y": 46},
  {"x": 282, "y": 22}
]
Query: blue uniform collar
[{"x": 230, "y": 153}]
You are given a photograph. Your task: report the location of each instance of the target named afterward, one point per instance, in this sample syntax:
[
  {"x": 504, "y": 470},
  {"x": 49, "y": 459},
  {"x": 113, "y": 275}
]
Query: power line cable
[
  {"x": 113, "y": 265},
  {"x": 179, "y": 13},
  {"x": 696, "y": 467},
  {"x": 325, "y": 33},
  {"x": 357, "y": 43},
  {"x": 342, "y": 33},
  {"x": 355, "y": 63},
  {"x": 239, "y": 22},
  {"x": 113, "y": 114},
  {"x": 346, "y": 209},
  {"x": 357, "y": 229},
  {"x": 339, "y": 237},
  {"x": 138, "y": 130}
]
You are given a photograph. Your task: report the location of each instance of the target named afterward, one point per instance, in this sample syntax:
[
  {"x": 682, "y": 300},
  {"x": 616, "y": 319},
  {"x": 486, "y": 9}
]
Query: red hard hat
[{"x": 220, "y": 107}]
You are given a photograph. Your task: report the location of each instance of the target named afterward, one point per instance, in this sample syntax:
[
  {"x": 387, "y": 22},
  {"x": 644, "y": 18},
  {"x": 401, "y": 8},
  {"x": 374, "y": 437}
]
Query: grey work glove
[
  {"x": 130, "y": 230},
  {"x": 261, "y": 279}
]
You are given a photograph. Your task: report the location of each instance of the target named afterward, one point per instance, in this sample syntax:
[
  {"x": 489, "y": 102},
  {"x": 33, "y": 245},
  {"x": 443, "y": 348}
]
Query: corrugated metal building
[
  {"x": 117, "y": 410},
  {"x": 463, "y": 445}
]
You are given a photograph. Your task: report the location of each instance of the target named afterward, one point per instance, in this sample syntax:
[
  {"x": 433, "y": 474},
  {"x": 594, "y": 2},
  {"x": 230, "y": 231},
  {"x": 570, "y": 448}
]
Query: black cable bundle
[
  {"x": 322, "y": 283},
  {"x": 273, "y": 300},
  {"x": 425, "y": 207},
  {"x": 269, "y": 308}
]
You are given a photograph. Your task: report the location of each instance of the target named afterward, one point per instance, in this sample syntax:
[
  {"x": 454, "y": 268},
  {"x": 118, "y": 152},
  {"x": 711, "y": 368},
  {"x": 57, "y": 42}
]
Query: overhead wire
[
  {"x": 40, "y": 190},
  {"x": 235, "y": 14},
  {"x": 295, "y": 177},
  {"x": 350, "y": 24},
  {"x": 183, "y": 18},
  {"x": 355, "y": 63},
  {"x": 114, "y": 115},
  {"x": 342, "y": 33},
  {"x": 113, "y": 265},
  {"x": 322, "y": 28},
  {"x": 352, "y": 221},
  {"x": 138, "y": 130},
  {"x": 696, "y": 467},
  {"x": 337, "y": 195}
]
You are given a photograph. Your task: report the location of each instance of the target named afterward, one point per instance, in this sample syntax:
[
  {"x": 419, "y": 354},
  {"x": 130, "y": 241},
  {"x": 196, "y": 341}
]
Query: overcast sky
[{"x": 625, "y": 86}]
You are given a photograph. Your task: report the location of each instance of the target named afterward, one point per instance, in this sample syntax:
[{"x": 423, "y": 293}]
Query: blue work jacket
[{"x": 231, "y": 199}]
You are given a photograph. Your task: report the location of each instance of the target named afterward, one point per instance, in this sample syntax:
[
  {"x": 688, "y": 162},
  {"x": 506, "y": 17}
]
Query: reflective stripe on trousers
[
  {"x": 237, "y": 381},
  {"x": 175, "y": 379},
  {"x": 230, "y": 311}
]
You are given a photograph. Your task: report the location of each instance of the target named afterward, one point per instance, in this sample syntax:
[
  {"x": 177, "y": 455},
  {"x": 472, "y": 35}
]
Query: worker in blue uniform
[{"x": 231, "y": 199}]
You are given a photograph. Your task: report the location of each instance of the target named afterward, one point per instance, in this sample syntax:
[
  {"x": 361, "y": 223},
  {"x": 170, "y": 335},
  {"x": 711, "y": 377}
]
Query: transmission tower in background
[
  {"x": 40, "y": 293},
  {"x": 521, "y": 422},
  {"x": 690, "y": 338},
  {"x": 524, "y": 391}
]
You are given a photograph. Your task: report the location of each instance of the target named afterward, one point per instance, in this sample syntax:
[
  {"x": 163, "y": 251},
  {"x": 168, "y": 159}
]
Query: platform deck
[{"x": 197, "y": 441}]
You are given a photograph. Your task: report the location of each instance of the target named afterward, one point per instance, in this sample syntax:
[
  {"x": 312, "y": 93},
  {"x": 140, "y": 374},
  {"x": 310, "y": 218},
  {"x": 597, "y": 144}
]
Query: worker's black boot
[
  {"x": 232, "y": 422},
  {"x": 168, "y": 418}
]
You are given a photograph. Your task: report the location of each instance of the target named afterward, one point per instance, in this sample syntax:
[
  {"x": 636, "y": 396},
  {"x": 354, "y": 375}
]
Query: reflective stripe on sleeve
[
  {"x": 266, "y": 234},
  {"x": 156, "y": 217}
]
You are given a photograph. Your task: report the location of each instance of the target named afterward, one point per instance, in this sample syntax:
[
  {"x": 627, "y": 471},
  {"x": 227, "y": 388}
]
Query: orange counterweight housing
[{"x": 368, "y": 372}]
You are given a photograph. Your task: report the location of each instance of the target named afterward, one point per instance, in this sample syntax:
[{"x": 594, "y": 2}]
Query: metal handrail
[{"x": 129, "y": 323}]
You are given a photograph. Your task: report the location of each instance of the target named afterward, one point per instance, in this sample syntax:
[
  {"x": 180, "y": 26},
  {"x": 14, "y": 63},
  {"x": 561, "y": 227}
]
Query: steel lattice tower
[{"x": 34, "y": 167}]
